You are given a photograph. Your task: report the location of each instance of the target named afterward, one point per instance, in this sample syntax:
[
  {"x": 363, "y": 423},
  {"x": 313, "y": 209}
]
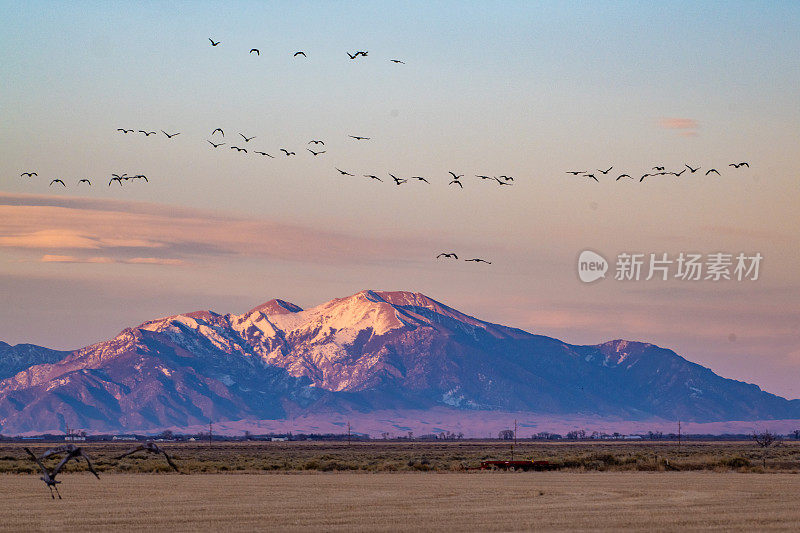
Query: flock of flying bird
[
  {"x": 71, "y": 452},
  {"x": 353, "y": 56},
  {"x": 656, "y": 171}
]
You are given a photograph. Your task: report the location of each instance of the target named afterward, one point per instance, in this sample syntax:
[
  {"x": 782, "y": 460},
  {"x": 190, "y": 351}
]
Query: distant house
[
  {"x": 75, "y": 438},
  {"x": 279, "y": 439},
  {"x": 123, "y": 437}
]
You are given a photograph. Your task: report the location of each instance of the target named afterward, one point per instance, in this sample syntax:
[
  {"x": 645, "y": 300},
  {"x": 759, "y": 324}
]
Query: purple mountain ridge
[{"x": 372, "y": 351}]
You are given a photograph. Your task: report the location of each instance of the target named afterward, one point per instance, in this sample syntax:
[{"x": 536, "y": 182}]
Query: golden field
[{"x": 453, "y": 501}]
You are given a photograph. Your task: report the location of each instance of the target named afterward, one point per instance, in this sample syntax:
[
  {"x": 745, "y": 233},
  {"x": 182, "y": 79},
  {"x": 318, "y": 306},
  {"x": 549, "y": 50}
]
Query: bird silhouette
[
  {"x": 455, "y": 176},
  {"x": 117, "y": 179},
  {"x": 501, "y": 182},
  {"x": 735, "y": 165},
  {"x": 478, "y": 260},
  {"x": 397, "y": 181},
  {"x": 712, "y": 170},
  {"x": 300, "y": 53},
  {"x": 84, "y": 180},
  {"x": 356, "y": 137},
  {"x": 692, "y": 170},
  {"x": 605, "y": 171},
  {"x": 677, "y": 174},
  {"x": 150, "y": 447},
  {"x": 352, "y": 56},
  {"x": 457, "y": 183},
  {"x": 576, "y": 172},
  {"x": 287, "y": 152},
  {"x": 312, "y": 141},
  {"x": 643, "y": 177},
  {"x": 484, "y": 177},
  {"x": 238, "y": 149},
  {"x": 658, "y": 168},
  {"x": 118, "y": 176},
  {"x": 397, "y": 61},
  {"x": 49, "y": 476},
  {"x": 315, "y": 153},
  {"x": 623, "y": 176},
  {"x": 507, "y": 178},
  {"x": 212, "y": 42},
  {"x": 218, "y": 130},
  {"x": 264, "y": 153},
  {"x": 343, "y": 172},
  {"x": 372, "y": 176},
  {"x": 256, "y": 51},
  {"x": 450, "y": 255},
  {"x": 58, "y": 181},
  {"x": 123, "y": 130},
  {"x": 29, "y": 174},
  {"x": 247, "y": 139},
  {"x": 591, "y": 176},
  {"x": 147, "y": 133},
  {"x": 363, "y": 53},
  {"x": 168, "y": 135},
  {"x": 420, "y": 178},
  {"x": 215, "y": 145},
  {"x": 140, "y": 177}
]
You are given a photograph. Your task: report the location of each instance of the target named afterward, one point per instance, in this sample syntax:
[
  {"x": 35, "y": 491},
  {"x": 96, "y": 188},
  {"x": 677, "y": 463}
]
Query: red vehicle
[{"x": 515, "y": 465}]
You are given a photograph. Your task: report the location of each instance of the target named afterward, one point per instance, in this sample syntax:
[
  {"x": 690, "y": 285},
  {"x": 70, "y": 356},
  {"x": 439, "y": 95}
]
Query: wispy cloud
[
  {"x": 686, "y": 127},
  {"x": 52, "y": 258},
  {"x": 89, "y": 230}
]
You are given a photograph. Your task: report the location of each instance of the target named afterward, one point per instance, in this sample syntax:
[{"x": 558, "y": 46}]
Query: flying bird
[
  {"x": 483, "y": 177},
  {"x": 455, "y": 176},
  {"x": 344, "y": 173},
  {"x": 420, "y": 178},
  {"x": 150, "y": 447},
  {"x": 246, "y": 139},
  {"x": 658, "y": 168},
  {"x": 591, "y": 176},
  {"x": 373, "y": 176},
  {"x": 287, "y": 152},
  {"x": 397, "y": 61},
  {"x": 362, "y": 53},
  {"x": 501, "y": 182},
  {"x": 353, "y": 56},
  {"x": 255, "y": 50},
  {"x": 477, "y": 260},
  {"x": 238, "y": 149},
  {"x": 643, "y": 177},
  {"x": 397, "y": 181},
  {"x": 576, "y": 172},
  {"x": 29, "y": 174},
  {"x": 315, "y": 153},
  {"x": 264, "y": 153},
  {"x": 123, "y": 130},
  {"x": 509, "y": 178},
  {"x": 140, "y": 177},
  {"x": 58, "y": 181},
  {"x": 49, "y": 476},
  {"x": 168, "y": 135},
  {"x": 212, "y": 42},
  {"x": 215, "y": 145},
  {"x": 692, "y": 170},
  {"x": 451, "y": 255},
  {"x": 218, "y": 130},
  {"x": 316, "y": 142},
  {"x": 605, "y": 171},
  {"x": 118, "y": 176},
  {"x": 677, "y": 174},
  {"x": 84, "y": 180},
  {"x": 300, "y": 53},
  {"x": 112, "y": 180},
  {"x": 734, "y": 165},
  {"x": 623, "y": 176},
  {"x": 356, "y": 137},
  {"x": 712, "y": 170},
  {"x": 147, "y": 133},
  {"x": 457, "y": 183}
]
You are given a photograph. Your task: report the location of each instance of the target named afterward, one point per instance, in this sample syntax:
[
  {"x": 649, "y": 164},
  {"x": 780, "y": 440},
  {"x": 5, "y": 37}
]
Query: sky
[{"x": 524, "y": 89}]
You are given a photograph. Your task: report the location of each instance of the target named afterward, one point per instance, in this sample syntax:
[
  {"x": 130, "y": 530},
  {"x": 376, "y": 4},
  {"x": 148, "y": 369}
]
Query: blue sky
[{"x": 528, "y": 89}]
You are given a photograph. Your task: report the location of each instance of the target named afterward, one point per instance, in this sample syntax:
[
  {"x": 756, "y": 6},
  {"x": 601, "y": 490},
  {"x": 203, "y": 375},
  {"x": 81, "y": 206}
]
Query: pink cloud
[
  {"x": 54, "y": 258},
  {"x": 686, "y": 127}
]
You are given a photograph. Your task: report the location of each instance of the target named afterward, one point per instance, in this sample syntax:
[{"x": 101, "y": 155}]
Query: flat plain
[{"x": 360, "y": 501}]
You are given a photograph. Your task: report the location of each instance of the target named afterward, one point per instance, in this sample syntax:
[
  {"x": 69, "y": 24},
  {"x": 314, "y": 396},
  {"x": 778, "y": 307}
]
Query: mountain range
[{"x": 371, "y": 352}]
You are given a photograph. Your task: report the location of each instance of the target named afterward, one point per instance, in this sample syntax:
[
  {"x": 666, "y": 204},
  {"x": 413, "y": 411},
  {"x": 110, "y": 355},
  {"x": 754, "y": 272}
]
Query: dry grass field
[
  {"x": 453, "y": 501},
  {"x": 380, "y": 456}
]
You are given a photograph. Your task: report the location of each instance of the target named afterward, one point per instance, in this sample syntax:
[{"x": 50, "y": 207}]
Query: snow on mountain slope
[{"x": 369, "y": 351}]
